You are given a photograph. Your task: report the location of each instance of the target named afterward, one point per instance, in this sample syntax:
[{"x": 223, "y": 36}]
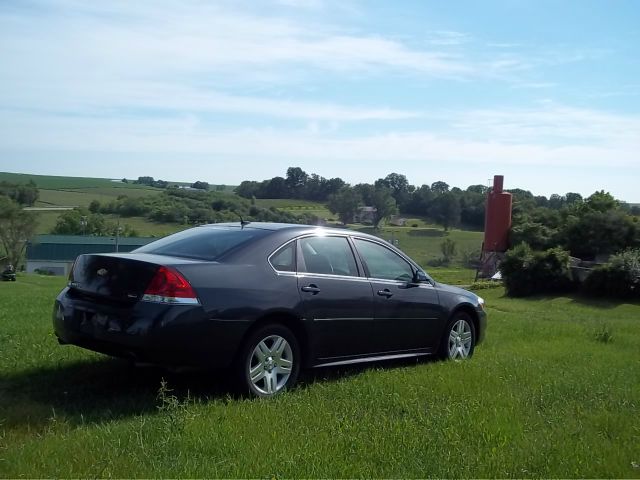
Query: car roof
[
  {"x": 257, "y": 225},
  {"x": 294, "y": 229}
]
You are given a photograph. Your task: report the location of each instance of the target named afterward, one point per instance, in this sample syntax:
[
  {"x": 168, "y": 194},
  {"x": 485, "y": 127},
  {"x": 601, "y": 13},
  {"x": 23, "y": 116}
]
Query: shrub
[
  {"x": 527, "y": 272},
  {"x": 619, "y": 278},
  {"x": 448, "y": 249}
]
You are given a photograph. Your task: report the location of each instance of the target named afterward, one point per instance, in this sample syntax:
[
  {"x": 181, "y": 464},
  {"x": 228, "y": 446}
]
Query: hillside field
[
  {"x": 419, "y": 239},
  {"x": 553, "y": 392}
]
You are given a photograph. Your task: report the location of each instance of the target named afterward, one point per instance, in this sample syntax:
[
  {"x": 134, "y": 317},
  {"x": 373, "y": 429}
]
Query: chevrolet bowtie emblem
[{"x": 102, "y": 272}]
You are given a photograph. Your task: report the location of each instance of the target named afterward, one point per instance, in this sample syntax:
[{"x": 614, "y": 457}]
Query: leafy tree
[
  {"x": 345, "y": 204},
  {"x": 599, "y": 232},
  {"x": 420, "y": 201},
  {"x": 16, "y": 228},
  {"x": 247, "y": 189},
  {"x": 144, "y": 181},
  {"x": 296, "y": 181},
  {"x": 602, "y": 202},
  {"x": 481, "y": 189},
  {"x": 439, "y": 188},
  {"x": 333, "y": 185},
  {"x": 22, "y": 194},
  {"x": 365, "y": 190},
  {"x": 445, "y": 210},
  {"x": 94, "y": 206},
  {"x": 275, "y": 188},
  {"x": 80, "y": 222},
  {"x": 200, "y": 185},
  {"x": 472, "y": 204},
  {"x": 573, "y": 198},
  {"x": 384, "y": 203},
  {"x": 400, "y": 187}
]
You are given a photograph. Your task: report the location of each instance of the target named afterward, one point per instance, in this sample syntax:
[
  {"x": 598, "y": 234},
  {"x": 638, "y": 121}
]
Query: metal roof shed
[{"x": 56, "y": 253}]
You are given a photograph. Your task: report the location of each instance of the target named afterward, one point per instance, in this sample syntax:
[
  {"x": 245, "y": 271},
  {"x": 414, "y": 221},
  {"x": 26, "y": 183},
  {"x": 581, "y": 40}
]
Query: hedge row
[{"x": 528, "y": 272}]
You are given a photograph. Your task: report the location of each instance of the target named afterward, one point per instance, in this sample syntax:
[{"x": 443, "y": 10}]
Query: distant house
[
  {"x": 397, "y": 221},
  {"x": 366, "y": 214},
  {"x": 56, "y": 253}
]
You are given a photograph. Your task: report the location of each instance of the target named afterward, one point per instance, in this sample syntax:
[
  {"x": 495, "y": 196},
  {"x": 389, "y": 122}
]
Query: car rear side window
[
  {"x": 284, "y": 260},
  {"x": 204, "y": 243},
  {"x": 382, "y": 262},
  {"x": 328, "y": 255}
]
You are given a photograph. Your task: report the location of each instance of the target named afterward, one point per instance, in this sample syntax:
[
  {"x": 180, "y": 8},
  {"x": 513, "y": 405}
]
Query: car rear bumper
[{"x": 176, "y": 335}]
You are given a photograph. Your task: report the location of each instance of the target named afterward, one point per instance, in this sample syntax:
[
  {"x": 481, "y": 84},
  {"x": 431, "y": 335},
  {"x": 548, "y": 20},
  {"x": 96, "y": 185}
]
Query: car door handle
[
  {"x": 311, "y": 288},
  {"x": 385, "y": 293}
]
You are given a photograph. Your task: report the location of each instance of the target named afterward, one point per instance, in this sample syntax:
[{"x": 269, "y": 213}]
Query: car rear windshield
[{"x": 203, "y": 243}]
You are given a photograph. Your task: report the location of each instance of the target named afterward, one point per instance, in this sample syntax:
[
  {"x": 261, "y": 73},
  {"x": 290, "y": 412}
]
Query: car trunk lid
[{"x": 118, "y": 277}]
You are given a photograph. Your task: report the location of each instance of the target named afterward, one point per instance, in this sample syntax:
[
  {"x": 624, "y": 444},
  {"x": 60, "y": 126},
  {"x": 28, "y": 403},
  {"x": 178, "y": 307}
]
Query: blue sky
[{"x": 545, "y": 92}]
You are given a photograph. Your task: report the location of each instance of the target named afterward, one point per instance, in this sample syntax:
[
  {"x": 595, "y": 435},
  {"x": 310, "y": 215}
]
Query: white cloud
[
  {"x": 498, "y": 137},
  {"x": 143, "y": 40}
]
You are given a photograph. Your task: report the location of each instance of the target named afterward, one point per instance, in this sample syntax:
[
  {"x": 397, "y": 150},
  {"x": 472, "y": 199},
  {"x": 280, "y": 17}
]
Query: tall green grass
[{"x": 544, "y": 396}]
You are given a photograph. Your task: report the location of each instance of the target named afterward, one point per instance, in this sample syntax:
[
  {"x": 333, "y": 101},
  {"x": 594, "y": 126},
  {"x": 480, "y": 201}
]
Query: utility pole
[{"x": 117, "y": 235}]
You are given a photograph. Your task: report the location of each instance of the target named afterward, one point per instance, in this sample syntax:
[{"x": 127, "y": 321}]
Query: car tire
[
  {"x": 459, "y": 339},
  {"x": 269, "y": 361}
]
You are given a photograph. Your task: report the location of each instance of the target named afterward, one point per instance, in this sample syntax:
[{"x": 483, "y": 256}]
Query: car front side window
[{"x": 382, "y": 262}]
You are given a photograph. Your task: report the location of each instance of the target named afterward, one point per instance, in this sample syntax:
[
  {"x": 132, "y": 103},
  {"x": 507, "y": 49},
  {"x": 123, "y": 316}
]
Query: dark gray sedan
[{"x": 265, "y": 300}]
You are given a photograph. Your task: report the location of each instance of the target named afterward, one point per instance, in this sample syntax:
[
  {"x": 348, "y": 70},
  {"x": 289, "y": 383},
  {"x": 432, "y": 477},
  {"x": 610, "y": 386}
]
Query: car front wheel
[
  {"x": 459, "y": 338},
  {"x": 269, "y": 361}
]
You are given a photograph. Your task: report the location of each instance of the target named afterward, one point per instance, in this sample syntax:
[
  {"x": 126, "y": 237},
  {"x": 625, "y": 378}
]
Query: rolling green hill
[{"x": 419, "y": 239}]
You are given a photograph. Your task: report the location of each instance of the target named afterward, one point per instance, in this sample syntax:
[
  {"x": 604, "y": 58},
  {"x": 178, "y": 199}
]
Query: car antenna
[{"x": 243, "y": 222}]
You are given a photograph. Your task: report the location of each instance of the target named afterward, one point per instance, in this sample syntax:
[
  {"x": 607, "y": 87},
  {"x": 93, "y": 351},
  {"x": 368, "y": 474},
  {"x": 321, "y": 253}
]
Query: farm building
[{"x": 56, "y": 253}]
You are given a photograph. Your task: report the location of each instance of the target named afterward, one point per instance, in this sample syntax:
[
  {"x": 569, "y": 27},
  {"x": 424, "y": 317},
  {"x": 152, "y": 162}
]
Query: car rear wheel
[
  {"x": 269, "y": 361},
  {"x": 459, "y": 340}
]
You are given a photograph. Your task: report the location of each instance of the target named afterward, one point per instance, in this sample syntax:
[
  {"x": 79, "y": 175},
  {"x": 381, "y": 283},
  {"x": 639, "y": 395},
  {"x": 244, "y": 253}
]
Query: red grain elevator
[{"x": 497, "y": 218}]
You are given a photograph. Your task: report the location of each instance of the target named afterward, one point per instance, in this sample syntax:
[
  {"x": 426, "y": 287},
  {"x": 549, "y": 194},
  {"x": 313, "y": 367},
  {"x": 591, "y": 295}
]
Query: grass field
[
  {"x": 145, "y": 228},
  {"x": 423, "y": 244},
  {"x": 53, "y": 182},
  {"x": 553, "y": 392},
  {"x": 82, "y": 197},
  {"x": 294, "y": 206}
]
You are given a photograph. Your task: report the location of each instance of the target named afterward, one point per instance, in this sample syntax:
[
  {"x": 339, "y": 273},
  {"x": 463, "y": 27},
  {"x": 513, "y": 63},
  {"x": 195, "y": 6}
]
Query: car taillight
[
  {"x": 70, "y": 279},
  {"x": 169, "y": 286}
]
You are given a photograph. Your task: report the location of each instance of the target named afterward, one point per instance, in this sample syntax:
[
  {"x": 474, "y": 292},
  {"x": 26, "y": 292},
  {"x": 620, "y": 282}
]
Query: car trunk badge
[{"x": 102, "y": 272}]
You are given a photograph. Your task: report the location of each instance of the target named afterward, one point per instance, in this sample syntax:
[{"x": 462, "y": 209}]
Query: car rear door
[{"x": 336, "y": 299}]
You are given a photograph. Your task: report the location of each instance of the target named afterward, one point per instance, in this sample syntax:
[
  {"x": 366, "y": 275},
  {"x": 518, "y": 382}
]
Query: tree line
[
  {"x": 392, "y": 194},
  {"x": 585, "y": 228},
  {"x": 189, "y": 207}
]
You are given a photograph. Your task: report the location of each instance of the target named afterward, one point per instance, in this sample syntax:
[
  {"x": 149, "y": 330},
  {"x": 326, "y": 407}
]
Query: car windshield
[{"x": 205, "y": 243}]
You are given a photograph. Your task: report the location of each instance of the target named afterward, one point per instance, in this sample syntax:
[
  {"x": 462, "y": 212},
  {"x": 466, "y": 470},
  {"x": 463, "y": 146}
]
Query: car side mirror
[{"x": 420, "y": 277}]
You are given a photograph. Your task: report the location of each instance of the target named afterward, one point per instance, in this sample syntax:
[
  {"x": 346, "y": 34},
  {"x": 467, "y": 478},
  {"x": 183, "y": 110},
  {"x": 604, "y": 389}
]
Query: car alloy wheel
[
  {"x": 459, "y": 340},
  {"x": 271, "y": 361}
]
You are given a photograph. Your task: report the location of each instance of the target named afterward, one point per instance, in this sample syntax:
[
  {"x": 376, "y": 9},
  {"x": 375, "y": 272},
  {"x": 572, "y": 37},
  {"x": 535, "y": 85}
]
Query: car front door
[
  {"x": 336, "y": 299},
  {"x": 408, "y": 315}
]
